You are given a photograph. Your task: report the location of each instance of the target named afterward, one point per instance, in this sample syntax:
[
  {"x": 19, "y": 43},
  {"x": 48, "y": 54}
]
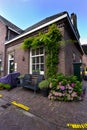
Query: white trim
[
  {"x": 44, "y": 25},
  {"x": 9, "y": 59},
  {"x": 41, "y": 72},
  {"x": 30, "y": 62},
  {"x": 8, "y": 62},
  {"x": 13, "y": 30}
]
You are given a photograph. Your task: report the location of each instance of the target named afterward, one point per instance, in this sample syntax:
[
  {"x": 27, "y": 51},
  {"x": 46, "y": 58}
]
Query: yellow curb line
[
  {"x": 20, "y": 105},
  {"x": 1, "y": 95}
]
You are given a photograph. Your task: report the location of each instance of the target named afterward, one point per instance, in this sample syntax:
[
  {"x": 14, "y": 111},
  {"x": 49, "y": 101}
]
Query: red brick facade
[
  {"x": 65, "y": 56},
  {"x": 2, "y": 48},
  {"x": 69, "y": 52}
]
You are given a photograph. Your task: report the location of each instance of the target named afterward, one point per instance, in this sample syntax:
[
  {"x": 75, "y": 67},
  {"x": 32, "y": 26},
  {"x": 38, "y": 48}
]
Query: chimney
[{"x": 74, "y": 20}]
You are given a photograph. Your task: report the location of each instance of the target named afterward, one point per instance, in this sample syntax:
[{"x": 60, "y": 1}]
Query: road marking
[
  {"x": 20, "y": 105},
  {"x": 1, "y": 95}
]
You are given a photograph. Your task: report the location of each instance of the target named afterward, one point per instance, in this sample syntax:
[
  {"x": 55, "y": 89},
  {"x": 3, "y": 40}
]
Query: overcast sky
[{"x": 25, "y": 13}]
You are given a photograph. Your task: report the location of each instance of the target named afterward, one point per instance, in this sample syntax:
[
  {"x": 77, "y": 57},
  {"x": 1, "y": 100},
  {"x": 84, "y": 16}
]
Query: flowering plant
[{"x": 65, "y": 88}]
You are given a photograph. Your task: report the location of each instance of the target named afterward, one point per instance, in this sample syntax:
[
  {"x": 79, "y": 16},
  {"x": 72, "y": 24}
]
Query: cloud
[{"x": 83, "y": 41}]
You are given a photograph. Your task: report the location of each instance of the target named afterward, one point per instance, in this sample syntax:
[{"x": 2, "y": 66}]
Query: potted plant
[{"x": 44, "y": 87}]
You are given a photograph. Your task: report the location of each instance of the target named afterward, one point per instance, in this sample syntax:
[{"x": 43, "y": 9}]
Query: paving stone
[{"x": 50, "y": 114}]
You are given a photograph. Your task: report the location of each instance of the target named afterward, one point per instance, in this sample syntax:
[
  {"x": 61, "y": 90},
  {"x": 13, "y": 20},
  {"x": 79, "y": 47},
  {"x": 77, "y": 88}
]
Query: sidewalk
[{"x": 54, "y": 112}]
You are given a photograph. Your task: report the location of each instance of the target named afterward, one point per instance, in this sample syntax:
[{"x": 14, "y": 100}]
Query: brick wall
[
  {"x": 65, "y": 56},
  {"x": 71, "y": 49},
  {"x": 84, "y": 59},
  {"x": 21, "y": 57},
  {"x": 2, "y": 40},
  {"x": 23, "y": 66}
]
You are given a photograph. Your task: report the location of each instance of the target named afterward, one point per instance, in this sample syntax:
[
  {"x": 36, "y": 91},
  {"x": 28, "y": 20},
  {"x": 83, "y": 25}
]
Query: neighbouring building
[
  {"x": 7, "y": 32},
  {"x": 84, "y": 58},
  {"x": 16, "y": 59}
]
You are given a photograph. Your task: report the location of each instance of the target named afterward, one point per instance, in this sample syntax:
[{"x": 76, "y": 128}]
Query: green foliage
[
  {"x": 78, "y": 88},
  {"x": 51, "y": 42},
  {"x": 7, "y": 86},
  {"x": 72, "y": 78},
  {"x": 27, "y": 43},
  {"x": 64, "y": 82},
  {"x": 64, "y": 88},
  {"x": 44, "y": 84},
  {"x": 1, "y": 85}
]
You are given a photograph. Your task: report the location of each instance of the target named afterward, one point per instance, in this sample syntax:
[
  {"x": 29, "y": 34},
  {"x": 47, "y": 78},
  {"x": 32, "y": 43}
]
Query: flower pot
[{"x": 45, "y": 92}]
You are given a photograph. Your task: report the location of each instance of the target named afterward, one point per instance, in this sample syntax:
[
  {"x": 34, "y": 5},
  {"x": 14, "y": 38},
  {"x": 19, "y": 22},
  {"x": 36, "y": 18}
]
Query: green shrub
[
  {"x": 1, "y": 85},
  {"x": 6, "y": 86},
  {"x": 64, "y": 88},
  {"x": 44, "y": 84}
]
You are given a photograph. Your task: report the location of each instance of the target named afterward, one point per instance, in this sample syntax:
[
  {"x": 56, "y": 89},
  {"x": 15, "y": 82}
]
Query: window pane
[
  {"x": 37, "y": 59},
  {"x": 33, "y": 52},
  {"x": 37, "y": 67},
  {"x": 42, "y": 67},
  {"x": 41, "y": 50},
  {"x": 42, "y": 59},
  {"x": 33, "y": 67},
  {"x": 37, "y": 51},
  {"x": 33, "y": 59}
]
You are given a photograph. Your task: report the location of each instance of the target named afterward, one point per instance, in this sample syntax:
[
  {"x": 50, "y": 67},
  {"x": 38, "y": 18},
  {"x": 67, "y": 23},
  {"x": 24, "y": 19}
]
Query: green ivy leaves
[{"x": 51, "y": 42}]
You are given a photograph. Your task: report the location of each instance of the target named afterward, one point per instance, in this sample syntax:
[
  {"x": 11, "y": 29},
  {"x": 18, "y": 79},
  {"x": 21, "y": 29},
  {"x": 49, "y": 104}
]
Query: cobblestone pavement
[{"x": 44, "y": 114}]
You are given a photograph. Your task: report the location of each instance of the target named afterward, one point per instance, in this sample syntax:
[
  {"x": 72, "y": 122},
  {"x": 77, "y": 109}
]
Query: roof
[
  {"x": 46, "y": 20},
  {"x": 11, "y": 25},
  {"x": 44, "y": 23}
]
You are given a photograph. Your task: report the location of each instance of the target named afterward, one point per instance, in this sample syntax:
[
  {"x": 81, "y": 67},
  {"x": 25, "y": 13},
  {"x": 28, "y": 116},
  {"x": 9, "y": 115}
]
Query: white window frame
[
  {"x": 9, "y": 59},
  {"x": 41, "y": 72}
]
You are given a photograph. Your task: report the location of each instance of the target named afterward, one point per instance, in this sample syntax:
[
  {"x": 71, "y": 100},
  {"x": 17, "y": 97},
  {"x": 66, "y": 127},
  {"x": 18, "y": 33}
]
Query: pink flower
[
  {"x": 74, "y": 94},
  {"x": 72, "y": 84},
  {"x": 62, "y": 87}
]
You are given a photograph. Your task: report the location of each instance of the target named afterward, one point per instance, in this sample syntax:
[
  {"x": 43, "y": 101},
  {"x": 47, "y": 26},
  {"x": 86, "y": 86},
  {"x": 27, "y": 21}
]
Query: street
[
  {"x": 43, "y": 114},
  {"x": 13, "y": 118}
]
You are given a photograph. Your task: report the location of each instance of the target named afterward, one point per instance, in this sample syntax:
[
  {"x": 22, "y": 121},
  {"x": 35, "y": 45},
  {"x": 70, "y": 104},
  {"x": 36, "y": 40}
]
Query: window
[
  {"x": 37, "y": 60},
  {"x": 0, "y": 66},
  {"x": 11, "y": 63},
  {"x": 74, "y": 57}
]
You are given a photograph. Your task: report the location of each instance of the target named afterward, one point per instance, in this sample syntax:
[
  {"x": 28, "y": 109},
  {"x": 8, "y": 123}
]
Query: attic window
[{"x": 8, "y": 35}]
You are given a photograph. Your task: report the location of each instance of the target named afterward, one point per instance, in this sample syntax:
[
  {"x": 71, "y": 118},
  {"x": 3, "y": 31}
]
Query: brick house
[
  {"x": 7, "y": 32},
  {"x": 84, "y": 58},
  {"x": 16, "y": 59}
]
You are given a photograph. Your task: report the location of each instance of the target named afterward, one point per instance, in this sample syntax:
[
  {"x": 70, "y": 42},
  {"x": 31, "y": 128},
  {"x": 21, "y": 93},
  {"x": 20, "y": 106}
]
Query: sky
[{"x": 25, "y": 13}]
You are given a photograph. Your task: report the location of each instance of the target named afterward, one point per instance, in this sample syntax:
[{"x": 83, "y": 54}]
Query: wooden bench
[{"x": 31, "y": 81}]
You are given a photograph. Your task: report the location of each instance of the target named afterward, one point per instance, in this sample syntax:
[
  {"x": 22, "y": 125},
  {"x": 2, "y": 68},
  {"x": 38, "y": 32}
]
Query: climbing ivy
[{"x": 51, "y": 42}]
